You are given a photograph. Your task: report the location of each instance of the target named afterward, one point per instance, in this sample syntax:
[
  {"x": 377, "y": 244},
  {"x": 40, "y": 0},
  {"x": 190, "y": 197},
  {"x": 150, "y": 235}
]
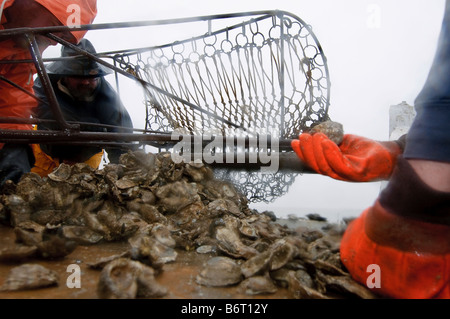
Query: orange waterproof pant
[{"x": 413, "y": 256}]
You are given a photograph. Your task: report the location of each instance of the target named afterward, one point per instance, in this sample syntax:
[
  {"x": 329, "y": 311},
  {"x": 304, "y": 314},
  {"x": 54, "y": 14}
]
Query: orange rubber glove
[{"x": 356, "y": 159}]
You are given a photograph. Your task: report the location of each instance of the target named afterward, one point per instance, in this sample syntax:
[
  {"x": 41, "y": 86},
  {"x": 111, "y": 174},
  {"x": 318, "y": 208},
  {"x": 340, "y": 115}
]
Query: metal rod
[
  {"x": 118, "y": 25},
  {"x": 42, "y": 73},
  {"x": 282, "y": 77},
  {"x": 57, "y": 137},
  {"x": 17, "y": 86},
  {"x": 20, "y": 120}
]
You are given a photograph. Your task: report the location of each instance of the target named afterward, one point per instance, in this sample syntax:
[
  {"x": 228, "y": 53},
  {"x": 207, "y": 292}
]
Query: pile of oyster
[{"x": 160, "y": 207}]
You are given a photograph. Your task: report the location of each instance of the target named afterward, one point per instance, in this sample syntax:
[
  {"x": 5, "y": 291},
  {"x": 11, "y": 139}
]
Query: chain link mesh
[{"x": 267, "y": 73}]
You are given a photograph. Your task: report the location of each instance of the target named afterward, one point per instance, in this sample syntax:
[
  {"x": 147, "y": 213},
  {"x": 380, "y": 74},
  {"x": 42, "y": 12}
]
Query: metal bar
[
  {"x": 53, "y": 137},
  {"x": 287, "y": 162},
  {"x": 31, "y": 61},
  {"x": 17, "y": 86},
  {"x": 101, "y": 26},
  {"x": 20, "y": 120},
  {"x": 282, "y": 77},
  {"x": 42, "y": 73}
]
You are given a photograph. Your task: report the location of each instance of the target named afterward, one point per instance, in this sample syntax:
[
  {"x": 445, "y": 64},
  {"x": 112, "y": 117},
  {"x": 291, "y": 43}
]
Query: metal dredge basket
[
  {"x": 241, "y": 75},
  {"x": 266, "y": 74}
]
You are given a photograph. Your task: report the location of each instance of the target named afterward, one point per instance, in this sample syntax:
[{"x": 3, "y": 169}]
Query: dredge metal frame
[{"x": 70, "y": 132}]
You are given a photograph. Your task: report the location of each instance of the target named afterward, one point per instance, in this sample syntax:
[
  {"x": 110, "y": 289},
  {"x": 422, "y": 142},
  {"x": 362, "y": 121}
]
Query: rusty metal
[{"x": 42, "y": 73}]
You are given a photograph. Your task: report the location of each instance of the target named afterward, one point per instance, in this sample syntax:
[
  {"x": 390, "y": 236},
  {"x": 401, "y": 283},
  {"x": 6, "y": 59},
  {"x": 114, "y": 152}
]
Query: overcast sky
[{"x": 379, "y": 54}]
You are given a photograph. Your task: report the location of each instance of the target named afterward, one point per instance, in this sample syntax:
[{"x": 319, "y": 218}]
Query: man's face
[{"x": 81, "y": 88}]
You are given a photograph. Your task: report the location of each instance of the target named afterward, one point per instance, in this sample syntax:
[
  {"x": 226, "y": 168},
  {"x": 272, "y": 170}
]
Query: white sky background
[{"x": 379, "y": 54}]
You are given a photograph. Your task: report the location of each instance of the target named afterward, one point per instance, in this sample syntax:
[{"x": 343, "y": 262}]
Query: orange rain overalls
[{"x": 14, "y": 102}]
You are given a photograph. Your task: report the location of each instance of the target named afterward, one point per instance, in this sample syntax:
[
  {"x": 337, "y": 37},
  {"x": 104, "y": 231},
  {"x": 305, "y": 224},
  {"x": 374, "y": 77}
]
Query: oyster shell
[
  {"x": 258, "y": 285},
  {"x": 151, "y": 214},
  {"x": 301, "y": 288},
  {"x": 17, "y": 253},
  {"x": 149, "y": 250},
  {"x": 123, "y": 278},
  {"x": 162, "y": 234},
  {"x": 20, "y": 210},
  {"x": 229, "y": 241},
  {"x": 346, "y": 285},
  {"x": 198, "y": 172},
  {"x": 175, "y": 196},
  {"x": 29, "y": 233},
  {"x": 29, "y": 276},
  {"x": 61, "y": 173},
  {"x": 102, "y": 262},
  {"x": 333, "y": 130},
  {"x": 257, "y": 264},
  {"x": 282, "y": 253},
  {"x": 224, "y": 206},
  {"x": 160, "y": 206},
  {"x": 246, "y": 229},
  {"x": 81, "y": 234},
  {"x": 54, "y": 244},
  {"x": 219, "y": 272}
]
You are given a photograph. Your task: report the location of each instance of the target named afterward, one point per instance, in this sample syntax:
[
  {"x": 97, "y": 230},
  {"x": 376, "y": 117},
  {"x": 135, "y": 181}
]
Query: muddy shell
[
  {"x": 29, "y": 276},
  {"x": 333, "y": 130},
  {"x": 220, "y": 272},
  {"x": 258, "y": 285},
  {"x": 123, "y": 278}
]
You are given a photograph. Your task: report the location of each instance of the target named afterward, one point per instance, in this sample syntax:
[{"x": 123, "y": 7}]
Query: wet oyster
[
  {"x": 258, "y": 264},
  {"x": 150, "y": 213},
  {"x": 102, "y": 262},
  {"x": 81, "y": 234},
  {"x": 198, "y": 172},
  {"x": 282, "y": 253},
  {"x": 17, "y": 253},
  {"x": 149, "y": 250},
  {"x": 219, "y": 272},
  {"x": 61, "y": 173},
  {"x": 229, "y": 241},
  {"x": 123, "y": 278},
  {"x": 29, "y": 233},
  {"x": 258, "y": 285},
  {"x": 55, "y": 246},
  {"x": 162, "y": 234},
  {"x": 333, "y": 130},
  {"x": 29, "y": 276},
  {"x": 302, "y": 288},
  {"x": 19, "y": 209},
  {"x": 346, "y": 285},
  {"x": 175, "y": 196},
  {"x": 158, "y": 207},
  {"x": 143, "y": 168},
  {"x": 224, "y": 206}
]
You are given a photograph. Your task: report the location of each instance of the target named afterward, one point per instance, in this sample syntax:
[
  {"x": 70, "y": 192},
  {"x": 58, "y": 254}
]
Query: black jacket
[{"x": 106, "y": 108}]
